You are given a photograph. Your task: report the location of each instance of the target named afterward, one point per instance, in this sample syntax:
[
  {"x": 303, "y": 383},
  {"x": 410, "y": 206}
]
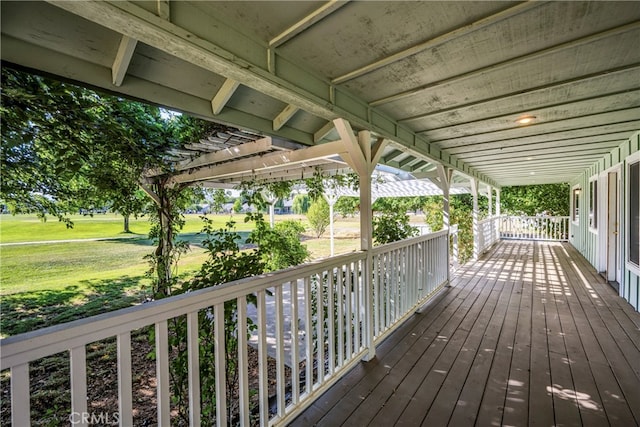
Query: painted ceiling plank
[
  {"x": 437, "y": 41},
  {"x": 223, "y": 95},
  {"x": 306, "y": 22},
  {"x": 284, "y": 116},
  {"x": 123, "y": 59},
  {"x": 509, "y": 62},
  {"x": 533, "y": 91},
  {"x": 264, "y": 162},
  {"x": 321, "y": 133},
  {"x": 246, "y": 149},
  {"x": 533, "y": 145}
]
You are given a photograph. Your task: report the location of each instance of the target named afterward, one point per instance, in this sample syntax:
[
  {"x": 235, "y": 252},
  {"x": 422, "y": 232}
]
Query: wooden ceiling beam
[
  {"x": 123, "y": 59},
  {"x": 223, "y": 95},
  {"x": 306, "y": 22},
  {"x": 284, "y": 116}
]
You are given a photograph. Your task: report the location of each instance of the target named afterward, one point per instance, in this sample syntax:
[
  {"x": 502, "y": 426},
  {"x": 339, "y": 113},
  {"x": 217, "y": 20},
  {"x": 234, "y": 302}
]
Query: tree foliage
[
  {"x": 535, "y": 199},
  {"x": 66, "y": 147},
  {"x": 301, "y": 204},
  {"x": 318, "y": 216},
  {"x": 391, "y": 227}
]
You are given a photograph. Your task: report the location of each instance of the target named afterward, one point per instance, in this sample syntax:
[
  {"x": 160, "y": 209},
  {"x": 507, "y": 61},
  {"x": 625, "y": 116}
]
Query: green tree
[
  {"x": 535, "y": 199},
  {"x": 300, "y": 204},
  {"x": 318, "y": 216},
  {"x": 347, "y": 205},
  {"x": 219, "y": 199},
  {"x": 237, "y": 205},
  {"x": 66, "y": 147},
  {"x": 392, "y": 227}
]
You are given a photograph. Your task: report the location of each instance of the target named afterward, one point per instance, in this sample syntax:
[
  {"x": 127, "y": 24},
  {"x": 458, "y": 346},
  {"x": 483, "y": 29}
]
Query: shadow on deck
[{"x": 528, "y": 335}]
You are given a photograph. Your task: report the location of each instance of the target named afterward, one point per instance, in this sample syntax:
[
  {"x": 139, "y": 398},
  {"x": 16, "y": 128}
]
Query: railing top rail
[
  {"x": 536, "y": 216},
  {"x": 407, "y": 242},
  {"x": 23, "y": 348}
]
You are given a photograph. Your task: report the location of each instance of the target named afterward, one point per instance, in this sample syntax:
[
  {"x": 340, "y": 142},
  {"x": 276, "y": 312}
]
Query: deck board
[{"x": 528, "y": 335}]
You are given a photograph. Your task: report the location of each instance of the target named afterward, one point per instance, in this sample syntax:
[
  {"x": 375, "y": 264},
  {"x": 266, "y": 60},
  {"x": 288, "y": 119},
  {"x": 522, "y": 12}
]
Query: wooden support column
[
  {"x": 490, "y": 202},
  {"x": 331, "y": 196},
  {"x": 444, "y": 182},
  {"x": 498, "y": 202},
  {"x": 359, "y": 157},
  {"x": 476, "y": 230}
]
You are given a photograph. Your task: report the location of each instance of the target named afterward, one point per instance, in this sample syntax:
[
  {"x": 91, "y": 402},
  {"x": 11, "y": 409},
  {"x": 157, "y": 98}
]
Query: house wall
[{"x": 586, "y": 239}]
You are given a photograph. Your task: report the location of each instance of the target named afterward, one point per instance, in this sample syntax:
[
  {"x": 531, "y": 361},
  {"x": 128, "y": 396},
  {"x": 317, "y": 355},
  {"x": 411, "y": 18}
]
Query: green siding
[{"x": 584, "y": 239}]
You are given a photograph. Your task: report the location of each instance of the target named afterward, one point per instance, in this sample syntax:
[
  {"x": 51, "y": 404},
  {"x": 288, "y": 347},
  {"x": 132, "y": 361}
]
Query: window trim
[
  {"x": 594, "y": 205},
  {"x": 631, "y": 159},
  {"x": 575, "y": 215}
]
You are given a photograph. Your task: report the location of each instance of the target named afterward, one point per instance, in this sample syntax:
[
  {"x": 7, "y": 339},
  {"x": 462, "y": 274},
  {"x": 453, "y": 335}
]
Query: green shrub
[{"x": 391, "y": 227}]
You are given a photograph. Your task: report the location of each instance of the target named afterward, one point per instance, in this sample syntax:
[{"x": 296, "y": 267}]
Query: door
[{"x": 613, "y": 227}]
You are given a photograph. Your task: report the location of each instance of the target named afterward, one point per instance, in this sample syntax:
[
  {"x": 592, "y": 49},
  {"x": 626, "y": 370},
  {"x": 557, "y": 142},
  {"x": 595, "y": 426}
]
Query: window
[
  {"x": 593, "y": 203},
  {"x": 633, "y": 212},
  {"x": 575, "y": 205}
]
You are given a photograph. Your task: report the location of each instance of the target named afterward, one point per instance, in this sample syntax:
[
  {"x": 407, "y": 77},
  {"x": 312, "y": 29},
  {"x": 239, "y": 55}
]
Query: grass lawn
[{"x": 43, "y": 284}]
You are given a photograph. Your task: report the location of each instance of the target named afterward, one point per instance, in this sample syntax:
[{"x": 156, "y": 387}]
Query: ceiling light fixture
[{"x": 525, "y": 120}]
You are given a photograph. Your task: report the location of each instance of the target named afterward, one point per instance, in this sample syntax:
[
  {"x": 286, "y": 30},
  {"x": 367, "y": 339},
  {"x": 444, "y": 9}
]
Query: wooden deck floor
[{"x": 529, "y": 335}]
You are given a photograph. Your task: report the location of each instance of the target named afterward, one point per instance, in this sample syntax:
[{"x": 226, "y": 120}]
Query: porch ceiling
[{"x": 444, "y": 81}]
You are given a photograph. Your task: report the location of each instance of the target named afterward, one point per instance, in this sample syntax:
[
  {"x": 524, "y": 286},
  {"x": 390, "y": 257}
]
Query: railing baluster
[
  {"x": 263, "y": 391},
  {"x": 387, "y": 289},
  {"x": 79, "y": 383},
  {"x": 193, "y": 368},
  {"x": 295, "y": 349},
  {"x": 20, "y": 406},
  {"x": 243, "y": 363},
  {"x": 377, "y": 302},
  {"x": 341, "y": 318},
  {"x": 331, "y": 319},
  {"x": 348, "y": 319},
  {"x": 308, "y": 335},
  {"x": 162, "y": 373},
  {"x": 125, "y": 395},
  {"x": 357, "y": 327},
  {"x": 320, "y": 326},
  {"x": 280, "y": 382},
  {"x": 220, "y": 365}
]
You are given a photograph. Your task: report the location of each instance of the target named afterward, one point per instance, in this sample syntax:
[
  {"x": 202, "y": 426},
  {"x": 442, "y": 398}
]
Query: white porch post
[
  {"x": 331, "y": 196},
  {"x": 490, "y": 197},
  {"x": 476, "y": 231},
  {"x": 360, "y": 159},
  {"x": 497, "y": 202},
  {"x": 444, "y": 182}
]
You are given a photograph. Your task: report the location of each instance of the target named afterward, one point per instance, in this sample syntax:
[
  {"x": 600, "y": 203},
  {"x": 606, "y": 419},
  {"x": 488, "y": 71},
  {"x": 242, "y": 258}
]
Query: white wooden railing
[
  {"x": 405, "y": 275},
  {"x": 323, "y": 322},
  {"x": 488, "y": 233},
  {"x": 535, "y": 228}
]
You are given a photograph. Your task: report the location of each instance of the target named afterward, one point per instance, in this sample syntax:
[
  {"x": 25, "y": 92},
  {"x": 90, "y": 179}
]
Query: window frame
[
  {"x": 630, "y": 160},
  {"x": 576, "y": 191},
  {"x": 592, "y": 213}
]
